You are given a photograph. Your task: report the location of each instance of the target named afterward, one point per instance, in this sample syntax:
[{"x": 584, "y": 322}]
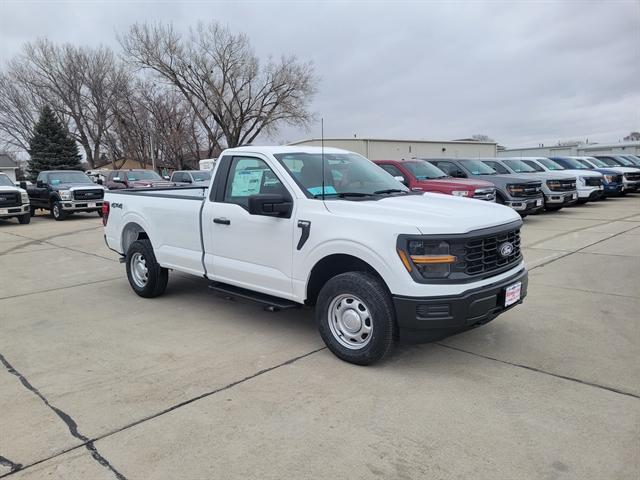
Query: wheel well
[
  {"x": 131, "y": 233},
  {"x": 331, "y": 266}
]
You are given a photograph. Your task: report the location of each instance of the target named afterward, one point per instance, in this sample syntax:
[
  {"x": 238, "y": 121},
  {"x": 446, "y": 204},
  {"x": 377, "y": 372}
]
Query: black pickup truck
[{"x": 65, "y": 191}]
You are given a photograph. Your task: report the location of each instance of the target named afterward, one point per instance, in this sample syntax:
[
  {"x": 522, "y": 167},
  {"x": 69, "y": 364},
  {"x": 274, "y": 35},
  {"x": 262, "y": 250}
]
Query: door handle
[{"x": 222, "y": 221}]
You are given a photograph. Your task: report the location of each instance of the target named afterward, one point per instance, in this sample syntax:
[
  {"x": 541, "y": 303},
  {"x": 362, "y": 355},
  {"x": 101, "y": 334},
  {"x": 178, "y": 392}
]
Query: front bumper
[
  {"x": 590, "y": 193},
  {"x": 433, "y": 318},
  {"x": 560, "y": 199},
  {"x": 612, "y": 189},
  {"x": 81, "y": 206},
  {"x": 631, "y": 186},
  {"x": 9, "y": 212},
  {"x": 526, "y": 205}
]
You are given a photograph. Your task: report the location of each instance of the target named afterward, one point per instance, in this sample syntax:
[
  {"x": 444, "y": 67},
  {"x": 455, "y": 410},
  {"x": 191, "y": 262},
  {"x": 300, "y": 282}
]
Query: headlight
[
  {"x": 582, "y": 181},
  {"x": 65, "y": 194},
  {"x": 609, "y": 178},
  {"x": 515, "y": 190},
  {"x": 460, "y": 193},
  {"x": 430, "y": 259},
  {"x": 25, "y": 197},
  {"x": 553, "y": 184}
]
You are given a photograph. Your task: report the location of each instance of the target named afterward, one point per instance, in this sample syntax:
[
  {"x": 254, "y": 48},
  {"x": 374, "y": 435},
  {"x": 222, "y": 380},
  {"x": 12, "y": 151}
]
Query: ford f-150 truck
[
  {"x": 65, "y": 191},
  {"x": 522, "y": 194},
  {"x": 14, "y": 201},
  {"x": 289, "y": 226},
  {"x": 611, "y": 179},
  {"x": 419, "y": 175}
]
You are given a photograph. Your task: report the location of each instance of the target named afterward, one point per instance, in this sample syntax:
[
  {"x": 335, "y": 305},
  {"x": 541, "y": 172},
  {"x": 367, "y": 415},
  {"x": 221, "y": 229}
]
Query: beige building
[
  {"x": 575, "y": 150},
  {"x": 389, "y": 149}
]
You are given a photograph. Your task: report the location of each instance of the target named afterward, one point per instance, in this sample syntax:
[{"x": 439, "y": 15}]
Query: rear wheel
[
  {"x": 100, "y": 212},
  {"x": 147, "y": 278},
  {"x": 32, "y": 210},
  {"x": 24, "y": 219},
  {"x": 356, "y": 318},
  {"x": 57, "y": 212}
]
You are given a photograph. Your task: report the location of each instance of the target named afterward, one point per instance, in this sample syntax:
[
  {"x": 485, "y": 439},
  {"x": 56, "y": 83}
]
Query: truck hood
[
  {"x": 430, "y": 213},
  {"x": 546, "y": 175},
  {"x": 583, "y": 173},
  {"x": 464, "y": 183},
  {"x": 11, "y": 189},
  {"x": 511, "y": 178},
  {"x": 151, "y": 183},
  {"x": 77, "y": 186}
]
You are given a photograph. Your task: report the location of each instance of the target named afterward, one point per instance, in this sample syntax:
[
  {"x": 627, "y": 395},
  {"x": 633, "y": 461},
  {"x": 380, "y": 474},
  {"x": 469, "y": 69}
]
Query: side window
[
  {"x": 41, "y": 177},
  {"x": 447, "y": 167},
  {"x": 250, "y": 176},
  {"x": 497, "y": 167},
  {"x": 179, "y": 177},
  {"x": 393, "y": 170}
]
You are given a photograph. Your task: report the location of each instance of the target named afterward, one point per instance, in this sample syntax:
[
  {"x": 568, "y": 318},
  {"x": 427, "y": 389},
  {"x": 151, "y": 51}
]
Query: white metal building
[
  {"x": 8, "y": 166},
  {"x": 628, "y": 148},
  {"x": 390, "y": 149}
]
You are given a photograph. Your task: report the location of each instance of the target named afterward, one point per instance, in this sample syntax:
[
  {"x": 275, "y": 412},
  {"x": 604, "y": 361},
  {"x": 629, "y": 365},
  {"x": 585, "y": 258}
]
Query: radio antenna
[{"x": 322, "y": 152}]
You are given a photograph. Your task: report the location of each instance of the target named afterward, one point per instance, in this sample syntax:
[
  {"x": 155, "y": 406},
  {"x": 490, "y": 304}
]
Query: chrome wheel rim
[
  {"x": 350, "y": 321},
  {"x": 56, "y": 211},
  {"x": 139, "y": 270}
]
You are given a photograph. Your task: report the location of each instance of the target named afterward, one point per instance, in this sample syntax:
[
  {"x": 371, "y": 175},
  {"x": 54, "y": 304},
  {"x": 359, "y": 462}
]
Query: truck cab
[
  {"x": 63, "y": 192},
  {"x": 14, "y": 201},
  {"x": 420, "y": 175}
]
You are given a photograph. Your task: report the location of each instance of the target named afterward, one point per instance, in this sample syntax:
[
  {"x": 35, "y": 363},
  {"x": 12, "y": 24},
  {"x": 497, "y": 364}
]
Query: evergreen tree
[{"x": 51, "y": 147}]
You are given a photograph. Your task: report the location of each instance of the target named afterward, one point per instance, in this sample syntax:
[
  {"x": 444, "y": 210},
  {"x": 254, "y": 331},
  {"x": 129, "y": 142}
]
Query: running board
[{"x": 269, "y": 302}]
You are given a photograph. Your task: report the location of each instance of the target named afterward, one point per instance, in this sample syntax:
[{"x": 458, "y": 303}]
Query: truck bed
[{"x": 171, "y": 216}]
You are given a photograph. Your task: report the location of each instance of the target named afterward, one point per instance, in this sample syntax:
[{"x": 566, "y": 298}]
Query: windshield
[
  {"x": 201, "y": 176},
  {"x": 576, "y": 164},
  {"x": 550, "y": 164},
  {"x": 626, "y": 162},
  {"x": 424, "y": 170},
  {"x": 344, "y": 173},
  {"x": 143, "y": 175},
  {"x": 5, "y": 181},
  {"x": 519, "y": 166},
  {"x": 609, "y": 162},
  {"x": 534, "y": 165},
  {"x": 597, "y": 162},
  {"x": 55, "y": 178},
  {"x": 633, "y": 159},
  {"x": 476, "y": 167}
]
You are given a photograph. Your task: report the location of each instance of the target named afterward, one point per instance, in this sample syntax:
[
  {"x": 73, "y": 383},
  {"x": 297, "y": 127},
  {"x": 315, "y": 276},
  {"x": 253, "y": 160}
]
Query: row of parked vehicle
[{"x": 526, "y": 184}]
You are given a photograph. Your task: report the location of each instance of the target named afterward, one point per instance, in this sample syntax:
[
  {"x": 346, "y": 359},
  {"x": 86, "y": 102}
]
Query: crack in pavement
[
  {"x": 66, "y": 418},
  {"x": 538, "y": 370},
  {"x": 119, "y": 277},
  {"x": 89, "y": 444},
  {"x": 13, "y": 466}
]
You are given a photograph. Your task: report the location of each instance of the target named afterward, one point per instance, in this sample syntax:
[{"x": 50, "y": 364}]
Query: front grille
[
  {"x": 10, "y": 199},
  {"x": 486, "y": 254},
  {"x": 592, "y": 181},
  {"x": 84, "y": 195},
  {"x": 532, "y": 189},
  {"x": 632, "y": 176},
  {"x": 561, "y": 185}
]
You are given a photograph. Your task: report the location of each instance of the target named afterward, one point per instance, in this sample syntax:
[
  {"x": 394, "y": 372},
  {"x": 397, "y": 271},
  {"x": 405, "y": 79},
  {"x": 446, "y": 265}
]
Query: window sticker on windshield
[
  {"x": 328, "y": 190},
  {"x": 55, "y": 181},
  {"x": 246, "y": 182}
]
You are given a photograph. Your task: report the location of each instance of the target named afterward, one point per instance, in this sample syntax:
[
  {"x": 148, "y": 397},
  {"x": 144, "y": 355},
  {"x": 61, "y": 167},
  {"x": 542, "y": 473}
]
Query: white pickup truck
[{"x": 294, "y": 226}]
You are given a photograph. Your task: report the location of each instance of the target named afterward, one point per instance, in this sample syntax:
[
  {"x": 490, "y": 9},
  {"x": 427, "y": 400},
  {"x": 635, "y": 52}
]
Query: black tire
[
  {"x": 57, "y": 212},
  {"x": 156, "y": 276},
  {"x": 552, "y": 209},
  {"x": 370, "y": 292},
  {"x": 24, "y": 219},
  {"x": 99, "y": 213},
  {"x": 32, "y": 211}
]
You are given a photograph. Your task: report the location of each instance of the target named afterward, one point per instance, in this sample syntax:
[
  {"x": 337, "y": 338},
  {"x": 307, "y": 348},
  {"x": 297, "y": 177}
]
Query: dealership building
[
  {"x": 389, "y": 149},
  {"x": 575, "y": 150}
]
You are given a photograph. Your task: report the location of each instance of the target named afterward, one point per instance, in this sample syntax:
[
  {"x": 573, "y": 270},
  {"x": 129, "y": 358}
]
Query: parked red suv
[
  {"x": 421, "y": 175},
  {"x": 135, "y": 178}
]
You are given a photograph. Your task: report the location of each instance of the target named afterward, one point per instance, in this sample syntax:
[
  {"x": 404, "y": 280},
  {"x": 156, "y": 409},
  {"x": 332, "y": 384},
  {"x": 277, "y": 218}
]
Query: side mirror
[
  {"x": 23, "y": 185},
  {"x": 458, "y": 174},
  {"x": 40, "y": 184},
  {"x": 270, "y": 205},
  {"x": 401, "y": 179},
  {"x": 99, "y": 181}
]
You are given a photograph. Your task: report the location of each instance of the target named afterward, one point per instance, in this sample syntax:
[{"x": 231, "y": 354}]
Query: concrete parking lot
[{"x": 97, "y": 383}]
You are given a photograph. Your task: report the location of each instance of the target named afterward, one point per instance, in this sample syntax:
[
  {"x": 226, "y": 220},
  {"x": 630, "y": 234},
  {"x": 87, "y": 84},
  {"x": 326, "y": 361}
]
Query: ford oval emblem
[{"x": 506, "y": 249}]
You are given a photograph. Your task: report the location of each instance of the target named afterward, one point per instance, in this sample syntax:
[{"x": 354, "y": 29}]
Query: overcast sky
[{"x": 521, "y": 72}]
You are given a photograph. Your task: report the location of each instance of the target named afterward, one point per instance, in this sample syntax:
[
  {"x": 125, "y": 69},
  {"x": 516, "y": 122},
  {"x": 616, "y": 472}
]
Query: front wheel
[
  {"x": 24, "y": 219},
  {"x": 356, "y": 318},
  {"x": 57, "y": 212},
  {"x": 147, "y": 278}
]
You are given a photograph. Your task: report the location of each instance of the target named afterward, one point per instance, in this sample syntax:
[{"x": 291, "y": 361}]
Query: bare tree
[
  {"x": 632, "y": 137},
  {"x": 222, "y": 79},
  {"x": 480, "y": 137},
  {"x": 79, "y": 83},
  {"x": 18, "y": 112}
]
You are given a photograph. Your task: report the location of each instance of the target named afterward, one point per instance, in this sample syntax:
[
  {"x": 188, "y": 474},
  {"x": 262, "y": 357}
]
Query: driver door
[{"x": 249, "y": 251}]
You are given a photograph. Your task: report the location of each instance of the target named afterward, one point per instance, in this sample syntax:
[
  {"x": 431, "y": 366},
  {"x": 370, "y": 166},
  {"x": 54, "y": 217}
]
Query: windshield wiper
[
  {"x": 344, "y": 194},
  {"x": 389, "y": 190}
]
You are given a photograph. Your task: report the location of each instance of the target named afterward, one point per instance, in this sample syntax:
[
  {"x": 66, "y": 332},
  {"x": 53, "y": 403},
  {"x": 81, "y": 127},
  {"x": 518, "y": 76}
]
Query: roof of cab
[{"x": 276, "y": 149}]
